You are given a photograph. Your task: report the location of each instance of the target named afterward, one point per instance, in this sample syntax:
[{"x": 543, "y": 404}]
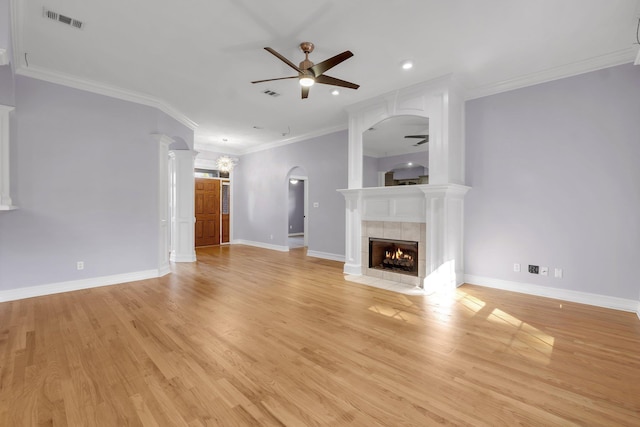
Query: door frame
[{"x": 305, "y": 180}]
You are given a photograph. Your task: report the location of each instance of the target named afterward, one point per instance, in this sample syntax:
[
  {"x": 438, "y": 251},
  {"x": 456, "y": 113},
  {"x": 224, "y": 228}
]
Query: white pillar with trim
[
  {"x": 182, "y": 206},
  {"x": 163, "y": 203}
]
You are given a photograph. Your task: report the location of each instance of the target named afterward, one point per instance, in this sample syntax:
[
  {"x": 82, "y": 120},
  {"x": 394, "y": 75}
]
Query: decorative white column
[
  {"x": 163, "y": 203},
  {"x": 353, "y": 228},
  {"x": 5, "y": 187},
  {"x": 182, "y": 206},
  {"x": 445, "y": 246}
]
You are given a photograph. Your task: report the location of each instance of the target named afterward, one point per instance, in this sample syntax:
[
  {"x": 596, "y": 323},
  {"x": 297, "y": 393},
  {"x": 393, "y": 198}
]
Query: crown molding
[
  {"x": 612, "y": 59},
  {"x": 106, "y": 90},
  {"x": 212, "y": 147},
  {"x": 293, "y": 140}
]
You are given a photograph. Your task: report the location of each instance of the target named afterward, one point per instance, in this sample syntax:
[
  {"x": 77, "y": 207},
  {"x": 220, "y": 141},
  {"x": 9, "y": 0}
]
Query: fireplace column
[
  {"x": 353, "y": 226},
  {"x": 445, "y": 217}
]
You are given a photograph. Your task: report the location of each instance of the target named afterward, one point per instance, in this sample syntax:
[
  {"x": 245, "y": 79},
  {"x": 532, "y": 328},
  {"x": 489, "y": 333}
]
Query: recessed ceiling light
[
  {"x": 410, "y": 164},
  {"x": 335, "y": 92},
  {"x": 407, "y": 65},
  {"x": 224, "y": 140}
]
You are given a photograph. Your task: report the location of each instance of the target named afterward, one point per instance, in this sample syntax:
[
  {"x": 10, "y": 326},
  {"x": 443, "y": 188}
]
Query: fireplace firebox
[{"x": 398, "y": 256}]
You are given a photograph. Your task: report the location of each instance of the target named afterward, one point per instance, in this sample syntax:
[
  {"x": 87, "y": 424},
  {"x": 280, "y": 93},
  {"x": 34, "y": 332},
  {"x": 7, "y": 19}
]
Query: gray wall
[
  {"x": 261, "y": 192},
  {"x": 296, "y": 207},
  {"x": 554, "y": 170},
  {"x": 84, "y": 174}
]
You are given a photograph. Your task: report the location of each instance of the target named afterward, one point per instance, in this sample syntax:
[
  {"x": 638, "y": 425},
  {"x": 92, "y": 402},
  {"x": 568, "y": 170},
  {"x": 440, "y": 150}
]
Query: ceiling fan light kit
[{"x": 310, "y": 73}]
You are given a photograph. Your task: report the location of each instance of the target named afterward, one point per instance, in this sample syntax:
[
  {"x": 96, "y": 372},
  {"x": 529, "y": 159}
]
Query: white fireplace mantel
[
  {"x": 439, "y": 204},
  {"x": 440, "y": 207}
]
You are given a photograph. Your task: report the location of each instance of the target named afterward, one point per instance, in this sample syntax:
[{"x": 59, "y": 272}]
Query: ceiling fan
[
  {"x": 308, "y": 73},
  {"x": 425, "y": 139}
]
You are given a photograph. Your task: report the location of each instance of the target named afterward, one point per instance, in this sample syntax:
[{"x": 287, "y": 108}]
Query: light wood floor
[{"x": 248, "y": 337}]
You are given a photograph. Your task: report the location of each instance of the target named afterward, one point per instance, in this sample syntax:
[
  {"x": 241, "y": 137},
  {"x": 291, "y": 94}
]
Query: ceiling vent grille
[
  {"x": 271, "y": 93},
  {"x": 63, "y": 19}
]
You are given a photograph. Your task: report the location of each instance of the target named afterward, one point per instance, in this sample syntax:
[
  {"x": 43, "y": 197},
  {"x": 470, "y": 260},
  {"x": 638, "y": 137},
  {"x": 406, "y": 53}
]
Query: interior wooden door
[
  {"x": 225, "y": 201},
  {"x": 207, "y": 209}
]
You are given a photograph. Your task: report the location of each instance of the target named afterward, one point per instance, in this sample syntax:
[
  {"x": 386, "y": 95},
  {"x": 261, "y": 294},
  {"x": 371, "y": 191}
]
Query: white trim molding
[
  {"x": 164, "y": 241},
  {"x": 556, "y": 293},
  {"x": 278, "y": 248},
  {"x": 182, "y": 206},
  {"x": 5, "y": 176},
  {"x": 325, "y": 255},
  {"x": 4, "y": 57},
  {"x": 612, "y": 59},
  {"x": 106, "y": 90},
  {"x": 76, "y": 285}
]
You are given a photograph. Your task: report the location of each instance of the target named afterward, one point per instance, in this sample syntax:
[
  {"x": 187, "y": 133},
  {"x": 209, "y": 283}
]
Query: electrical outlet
[
  {"x": 80, "y": 265},
  {"x": 544, "y": 271},
  {"x": 533, "y": 269},
  {"x": 316, "y": 204},
  {"x": 516, "y": 267},
  {"x": 291, "y": 227},
  {"x": 558, "y": 273}
]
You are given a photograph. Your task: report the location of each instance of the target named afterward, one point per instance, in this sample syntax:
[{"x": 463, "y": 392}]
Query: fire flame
[{"x": 397, "y": 254}]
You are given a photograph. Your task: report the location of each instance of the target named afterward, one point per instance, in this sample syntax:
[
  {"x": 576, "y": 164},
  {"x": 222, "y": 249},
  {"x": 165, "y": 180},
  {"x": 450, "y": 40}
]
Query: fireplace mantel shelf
[
  {"x": 404, "y": 203},
  {"x": 405, "y": 189}
]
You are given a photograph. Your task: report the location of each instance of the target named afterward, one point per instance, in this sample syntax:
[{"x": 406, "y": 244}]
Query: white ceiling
[{"x": 196, "y": 59}]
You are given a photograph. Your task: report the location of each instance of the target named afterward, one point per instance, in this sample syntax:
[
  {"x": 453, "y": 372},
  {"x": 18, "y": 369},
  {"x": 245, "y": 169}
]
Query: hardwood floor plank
[{"x": 248, "y": 336}]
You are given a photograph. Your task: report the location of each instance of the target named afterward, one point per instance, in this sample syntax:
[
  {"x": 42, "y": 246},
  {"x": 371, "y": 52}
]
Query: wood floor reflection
[{"x": 249, "y": 337}]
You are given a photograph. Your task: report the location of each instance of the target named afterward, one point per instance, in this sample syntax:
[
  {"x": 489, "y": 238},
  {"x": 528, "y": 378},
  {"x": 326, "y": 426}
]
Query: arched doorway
[{"x": 298, "y": 208}]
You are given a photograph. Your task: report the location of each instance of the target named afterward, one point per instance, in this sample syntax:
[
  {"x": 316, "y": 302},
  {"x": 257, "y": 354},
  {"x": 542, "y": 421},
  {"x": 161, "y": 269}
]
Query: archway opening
[{"x": 396, "y": 152}]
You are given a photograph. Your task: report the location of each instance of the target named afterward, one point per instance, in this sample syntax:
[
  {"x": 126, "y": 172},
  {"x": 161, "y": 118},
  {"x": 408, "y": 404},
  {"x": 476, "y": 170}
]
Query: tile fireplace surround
[{"x": 413, "y": 231}]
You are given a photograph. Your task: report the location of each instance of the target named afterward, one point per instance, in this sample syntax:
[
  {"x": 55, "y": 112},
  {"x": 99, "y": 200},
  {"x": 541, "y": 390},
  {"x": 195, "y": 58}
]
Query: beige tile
[
  {"x": 410, "y": 231},
  {"x": 392, "y": 230},
  {"x": 365, "y": 245},
  {"x": 372, "y": 272},
  {"x": 374, "y": 229},
  {"x": 410, "y": 280},
  {"x": 388, "y": 275}
]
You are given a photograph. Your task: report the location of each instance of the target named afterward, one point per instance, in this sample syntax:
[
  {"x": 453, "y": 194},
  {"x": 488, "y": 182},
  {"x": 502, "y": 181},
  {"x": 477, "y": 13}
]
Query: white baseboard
[
  {"x": 561, "y": 294},
  {"x": 261, "y": 245},
  {"x": 325, "y": 255},
  {"x": 295, "y": 234},
  {"x": 352, "y": 269},
  {"x": 75, "y": 285},
  {"x": 183, "y": 258}
]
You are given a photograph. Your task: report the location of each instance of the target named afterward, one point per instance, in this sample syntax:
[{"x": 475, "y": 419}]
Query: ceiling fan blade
[
  {"x": 283, "y": 59},
  {"x": 280, "y": 78},
  {"x": 424, "y": 141},
  {"x": 323, "y": 66},
  {"x": 335, "y": 82},
  {"x": 417, "y": 136},
  {"x": 305, "y": 92}
]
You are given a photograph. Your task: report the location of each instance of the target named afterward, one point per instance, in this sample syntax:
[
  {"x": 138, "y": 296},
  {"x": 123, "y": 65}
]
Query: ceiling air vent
[
  {"x": 62, "y": 18},
  {"x": 271, "y": 93}
]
